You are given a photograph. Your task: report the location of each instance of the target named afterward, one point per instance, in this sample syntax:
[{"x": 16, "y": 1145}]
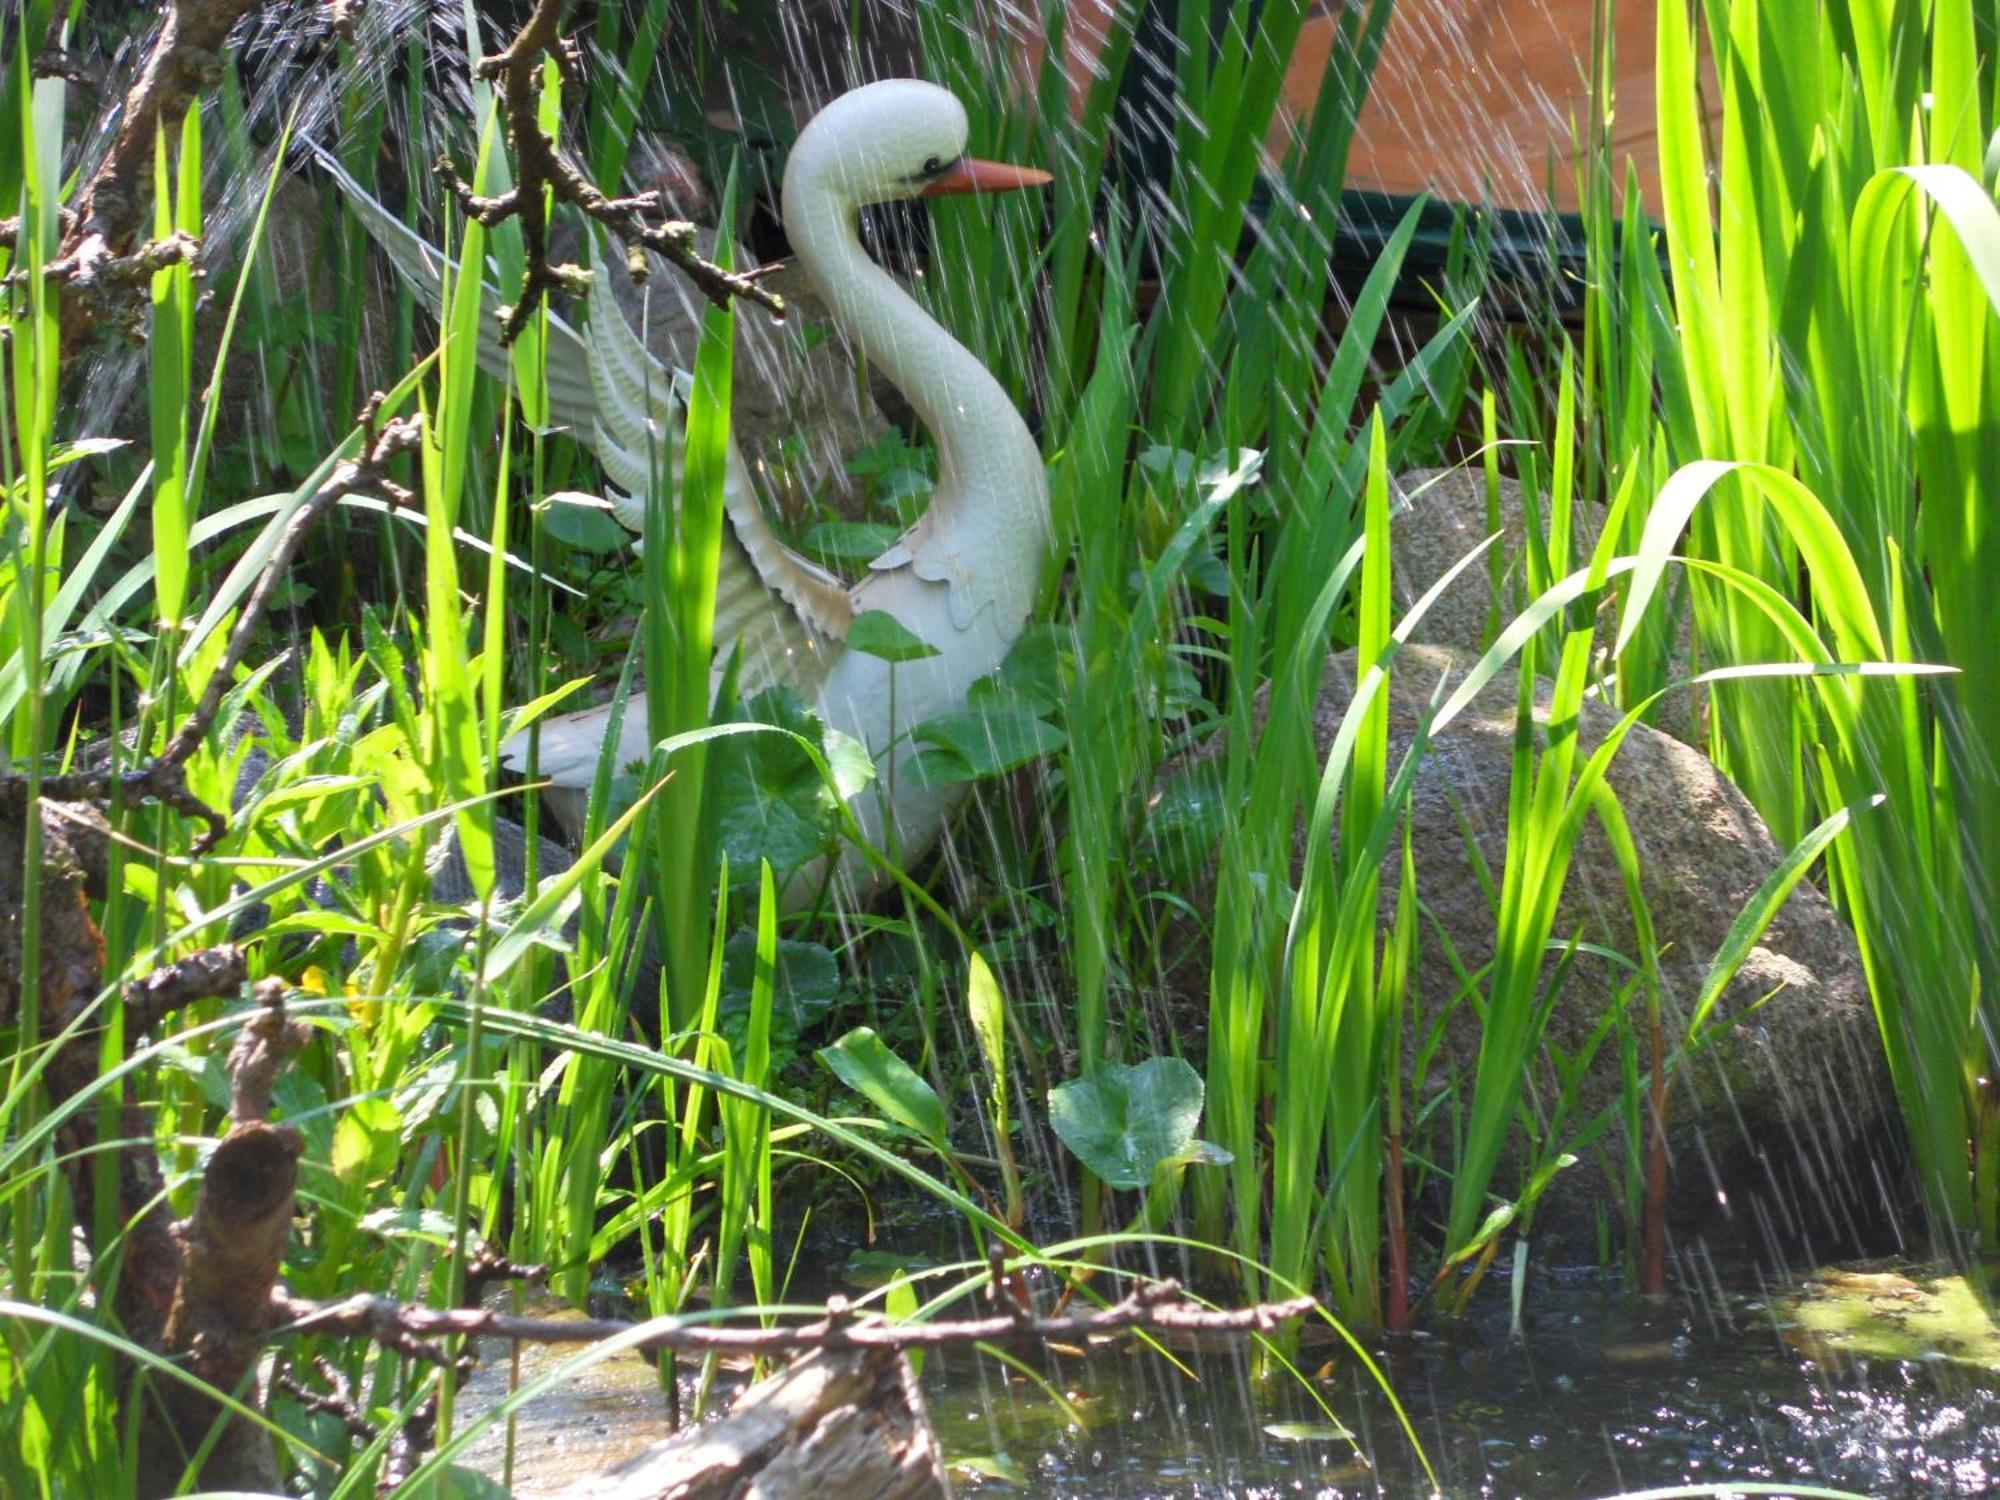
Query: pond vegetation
[{"x": 1167, "y": 1000}]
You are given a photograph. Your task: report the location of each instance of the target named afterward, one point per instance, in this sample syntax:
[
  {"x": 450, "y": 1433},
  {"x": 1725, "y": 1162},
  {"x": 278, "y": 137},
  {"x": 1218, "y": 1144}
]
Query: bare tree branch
[
  {"x": 419, "y": 1331},
  {"x": 106, "y": 277},
  {"x": 212, "y": 973},
  {"x": 539, "y": 163}
]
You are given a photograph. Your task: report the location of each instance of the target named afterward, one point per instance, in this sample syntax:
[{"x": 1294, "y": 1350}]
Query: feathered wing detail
[
  {"x": 566, "y": 364},
  {"x": 640, "y": 407},
  {"x": 921, "y": 551},
  {"x": 572, "y": 743},
  {"x": 782, "y": 613}
]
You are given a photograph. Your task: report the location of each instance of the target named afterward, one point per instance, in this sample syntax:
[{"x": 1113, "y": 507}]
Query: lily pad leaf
[
  {"x": 863, "y": 1062},
  {"x": 880, "y": 633},
  {"x": 1124, "y": 1122}
]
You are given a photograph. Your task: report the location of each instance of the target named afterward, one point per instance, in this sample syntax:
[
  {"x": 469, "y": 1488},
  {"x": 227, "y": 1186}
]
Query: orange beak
[{"x": 970, "y": 175}]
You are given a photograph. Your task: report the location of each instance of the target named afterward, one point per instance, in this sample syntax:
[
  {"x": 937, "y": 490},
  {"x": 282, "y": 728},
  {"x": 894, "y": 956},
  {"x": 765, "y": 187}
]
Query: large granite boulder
[
  {"x": 1440, "y": 515},
  {"x": 1784, "y": 1129}
]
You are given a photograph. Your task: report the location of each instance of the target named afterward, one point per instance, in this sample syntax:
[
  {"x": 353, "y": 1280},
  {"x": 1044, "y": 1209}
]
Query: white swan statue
[{"x": 963, "y": 579}]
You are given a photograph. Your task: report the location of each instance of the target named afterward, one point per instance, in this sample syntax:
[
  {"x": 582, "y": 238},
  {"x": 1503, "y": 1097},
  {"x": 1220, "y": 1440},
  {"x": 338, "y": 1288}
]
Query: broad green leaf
[
  {"x": 863, "y": 1062},
  {"x": 367, "y": 1139},
  {"x": 993, "y": 739},
  {"x": 805, "y": 987},
  {"x": 881, "y": 634},
  {"x": 848, "y": 541},
  {"x": 1123, "y": 1121},
  {"x": 988, "y": 1009},
  {"x": 583, "y": 521},
  {"x": 774, "y": 803},
  {"x": 1184, "y": 824},
  {"x": 848, "y": 760}
]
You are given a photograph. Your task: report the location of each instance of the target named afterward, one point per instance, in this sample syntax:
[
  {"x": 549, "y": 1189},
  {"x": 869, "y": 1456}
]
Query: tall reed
[{"x": 1838, "y": 301}]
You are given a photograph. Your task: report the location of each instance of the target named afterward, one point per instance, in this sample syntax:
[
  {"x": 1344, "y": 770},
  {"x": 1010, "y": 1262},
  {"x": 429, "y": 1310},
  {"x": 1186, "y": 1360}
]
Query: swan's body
[{"x": 963, "y": 578}]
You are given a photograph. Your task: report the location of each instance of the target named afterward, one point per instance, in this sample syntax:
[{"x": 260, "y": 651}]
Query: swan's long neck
[{"x": 986, "y": 456}]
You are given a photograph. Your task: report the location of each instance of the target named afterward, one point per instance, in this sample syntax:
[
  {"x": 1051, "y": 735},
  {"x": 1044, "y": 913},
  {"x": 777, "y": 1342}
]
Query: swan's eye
[{"x": 932, "y": 166}]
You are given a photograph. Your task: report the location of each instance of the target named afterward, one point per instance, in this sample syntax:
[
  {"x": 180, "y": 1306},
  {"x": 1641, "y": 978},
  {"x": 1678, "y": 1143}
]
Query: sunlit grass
[
  {"x": 1792, "y": 429},
  {"x": 1839, "y": 312}
]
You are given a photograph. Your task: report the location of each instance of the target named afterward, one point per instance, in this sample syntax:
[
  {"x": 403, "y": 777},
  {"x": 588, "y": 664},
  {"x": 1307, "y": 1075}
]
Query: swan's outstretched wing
[
  {"x": 640, "y": 406},
  {"x": 422, "y": 266},
  {"x": 783, "y": 614}
]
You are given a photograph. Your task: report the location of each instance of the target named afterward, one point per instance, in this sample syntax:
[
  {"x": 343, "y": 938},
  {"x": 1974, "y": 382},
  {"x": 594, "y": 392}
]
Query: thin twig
[
  {"x": 337, "y": 1400},
  {"x": 164, "y": 778},
  {"x": 485, "y": 1265},
  {"x": 417, "y": 1331},
  {"x": 540, "y": 164}
]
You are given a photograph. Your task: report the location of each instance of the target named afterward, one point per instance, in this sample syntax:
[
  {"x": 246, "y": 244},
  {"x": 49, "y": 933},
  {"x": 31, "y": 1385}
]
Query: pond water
[
  {"x": 1877, "y": 1382},
  {"x": 1599, "y": 1398}
]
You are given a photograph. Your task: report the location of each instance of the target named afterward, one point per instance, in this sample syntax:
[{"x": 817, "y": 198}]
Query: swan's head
[{"x": 900, "y": 138}]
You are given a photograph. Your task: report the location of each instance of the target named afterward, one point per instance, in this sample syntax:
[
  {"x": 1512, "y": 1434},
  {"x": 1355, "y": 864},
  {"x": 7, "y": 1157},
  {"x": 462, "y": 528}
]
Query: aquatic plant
[
  {"x": 1838, "y": 311},
  {"x": 1806, "y": 386}
]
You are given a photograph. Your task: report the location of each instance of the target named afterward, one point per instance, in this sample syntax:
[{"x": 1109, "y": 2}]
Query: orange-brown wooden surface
[{"x": 1474, "y": 100}]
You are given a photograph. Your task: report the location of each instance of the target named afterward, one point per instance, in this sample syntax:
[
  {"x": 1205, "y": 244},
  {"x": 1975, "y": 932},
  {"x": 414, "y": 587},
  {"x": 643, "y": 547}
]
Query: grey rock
[
  {"x": 1779, "y": 1130},
  {"x": 451, "y": 882},
  {"x": 451, "y": 885},
  {"x": 1440, "y": 515}
]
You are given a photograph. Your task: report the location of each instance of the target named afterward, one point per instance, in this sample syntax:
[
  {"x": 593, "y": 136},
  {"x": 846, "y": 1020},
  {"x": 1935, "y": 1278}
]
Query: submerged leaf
[{"x": 1308, "y": 1432}]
